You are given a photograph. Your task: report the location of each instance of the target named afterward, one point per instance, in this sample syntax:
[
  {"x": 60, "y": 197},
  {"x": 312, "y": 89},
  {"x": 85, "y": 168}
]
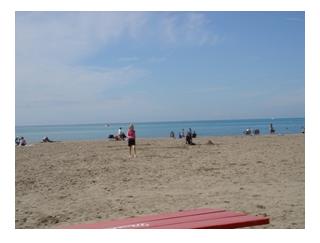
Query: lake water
[{"x": 158, "y": 129}]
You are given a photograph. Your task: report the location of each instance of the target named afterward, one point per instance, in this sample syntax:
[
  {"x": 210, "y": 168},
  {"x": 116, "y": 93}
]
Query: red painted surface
[
  {"x": 166, "y": 223},
  {"x": 222, "y": 223},
  {"x": 141, "y": 219},
  {"x": 190, "y": 219}
]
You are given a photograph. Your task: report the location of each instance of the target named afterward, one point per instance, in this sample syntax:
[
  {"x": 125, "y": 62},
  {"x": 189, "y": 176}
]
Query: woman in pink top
[{"x": 132, "y": 140}]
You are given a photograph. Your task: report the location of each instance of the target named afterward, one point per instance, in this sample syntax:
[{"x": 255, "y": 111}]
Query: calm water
[{"x": 158, "y": 129}]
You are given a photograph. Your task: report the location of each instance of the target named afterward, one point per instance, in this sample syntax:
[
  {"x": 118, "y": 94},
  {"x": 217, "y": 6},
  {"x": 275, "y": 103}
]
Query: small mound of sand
[{"x": 209, "y": 142}]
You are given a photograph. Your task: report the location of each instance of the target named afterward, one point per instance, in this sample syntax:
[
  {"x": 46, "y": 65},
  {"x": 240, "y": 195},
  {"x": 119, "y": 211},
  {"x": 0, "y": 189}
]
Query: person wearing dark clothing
[
  {"x": 247, "y": 131},
  {"x": 172, "y": 134},
  {"x": 17, "y": 141},
  {"x": 46, "y": 140},
  {"x": 189, "y": 138},
  {"x": 271, "y": 129},
  {"x": 132, "y": 140},
  {"x": 194, "y": 135},
  {"x": 122, "y": 136}
]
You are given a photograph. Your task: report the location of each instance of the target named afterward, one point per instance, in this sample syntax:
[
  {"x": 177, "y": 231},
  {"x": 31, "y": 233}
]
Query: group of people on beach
[
  {"x": 190, "y": 134},
  {"x": 120, "y": 136},
  {"x": 131, "y": 137},
  {"x": 182, "y": 134},
  {"x": 249, "y": 131},
  {"x": 20, "y": 141}
]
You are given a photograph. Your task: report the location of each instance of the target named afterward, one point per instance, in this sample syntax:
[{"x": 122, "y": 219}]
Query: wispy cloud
[
  {"x": 189, "y": 28},
  {"x": 68, "y": 36},
  {"x": 49, "y": 46},
  {"x": 71, "y": 83},
  {"x": 71, "y": 35}
]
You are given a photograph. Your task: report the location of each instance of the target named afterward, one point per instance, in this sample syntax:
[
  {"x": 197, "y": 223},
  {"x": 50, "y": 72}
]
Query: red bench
[{"x": 204, "y": 218}]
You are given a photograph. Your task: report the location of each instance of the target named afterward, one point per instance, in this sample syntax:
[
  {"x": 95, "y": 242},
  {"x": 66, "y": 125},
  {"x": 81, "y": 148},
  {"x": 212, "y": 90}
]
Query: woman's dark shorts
[{"x": 131, "y": 141}]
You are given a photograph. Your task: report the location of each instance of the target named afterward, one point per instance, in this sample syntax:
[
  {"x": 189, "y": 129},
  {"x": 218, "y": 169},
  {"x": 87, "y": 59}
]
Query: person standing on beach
[
  {"x": 132, "y": 140},
  {"x": 172, "y": 134},
  {"x": 271, "y": 129},
  {"x": 119, "y": 131}
]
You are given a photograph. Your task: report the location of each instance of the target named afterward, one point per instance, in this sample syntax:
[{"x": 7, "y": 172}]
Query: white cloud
[
  {"x": 49, "y": 46},
  {"x": 68, "y": 36}
]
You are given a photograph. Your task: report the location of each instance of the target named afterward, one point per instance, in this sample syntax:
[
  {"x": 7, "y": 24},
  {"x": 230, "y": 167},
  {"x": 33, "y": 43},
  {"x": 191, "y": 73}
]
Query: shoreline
[
  {"x": 152, "y": 130},
  {"x": 72, "y": 182},
  {"x": 168, "y": 138}
]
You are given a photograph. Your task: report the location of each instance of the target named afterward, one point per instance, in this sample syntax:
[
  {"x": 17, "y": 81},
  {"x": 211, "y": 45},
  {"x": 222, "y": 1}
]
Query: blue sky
[{"x": 88, "y": 67}]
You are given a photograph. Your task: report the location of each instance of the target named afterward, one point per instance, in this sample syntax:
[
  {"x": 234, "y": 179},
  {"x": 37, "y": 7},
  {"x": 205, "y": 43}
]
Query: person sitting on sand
[
  {"x": 17, "y": 141},
  {"x": 247, "y": 131},
  {"x": 120, "y": 135},
  {"x": 111, "y": 136},
  {"x": 256, "y": 132},
  {"x": 23, "y": 142},
  {"x": 46, "y": 140},
  {"x": 132, "y": 140}
]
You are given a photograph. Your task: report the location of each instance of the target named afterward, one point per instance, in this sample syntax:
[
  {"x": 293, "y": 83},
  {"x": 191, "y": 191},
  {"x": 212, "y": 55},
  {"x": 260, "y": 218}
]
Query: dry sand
[{"x": 65, "y": 183}]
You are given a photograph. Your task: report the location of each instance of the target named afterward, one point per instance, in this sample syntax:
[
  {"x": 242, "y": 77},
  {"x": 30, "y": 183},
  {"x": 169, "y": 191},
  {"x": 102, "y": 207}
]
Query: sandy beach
[{"x": 65, "y": 183}]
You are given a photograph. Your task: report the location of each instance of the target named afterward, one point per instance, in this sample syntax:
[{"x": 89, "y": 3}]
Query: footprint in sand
[{"x": 261, "y": 206}]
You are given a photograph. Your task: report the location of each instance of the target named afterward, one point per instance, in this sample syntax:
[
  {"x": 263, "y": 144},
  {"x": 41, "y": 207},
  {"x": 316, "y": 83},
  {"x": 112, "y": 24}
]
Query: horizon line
[{"x": 172, "y": 121}]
